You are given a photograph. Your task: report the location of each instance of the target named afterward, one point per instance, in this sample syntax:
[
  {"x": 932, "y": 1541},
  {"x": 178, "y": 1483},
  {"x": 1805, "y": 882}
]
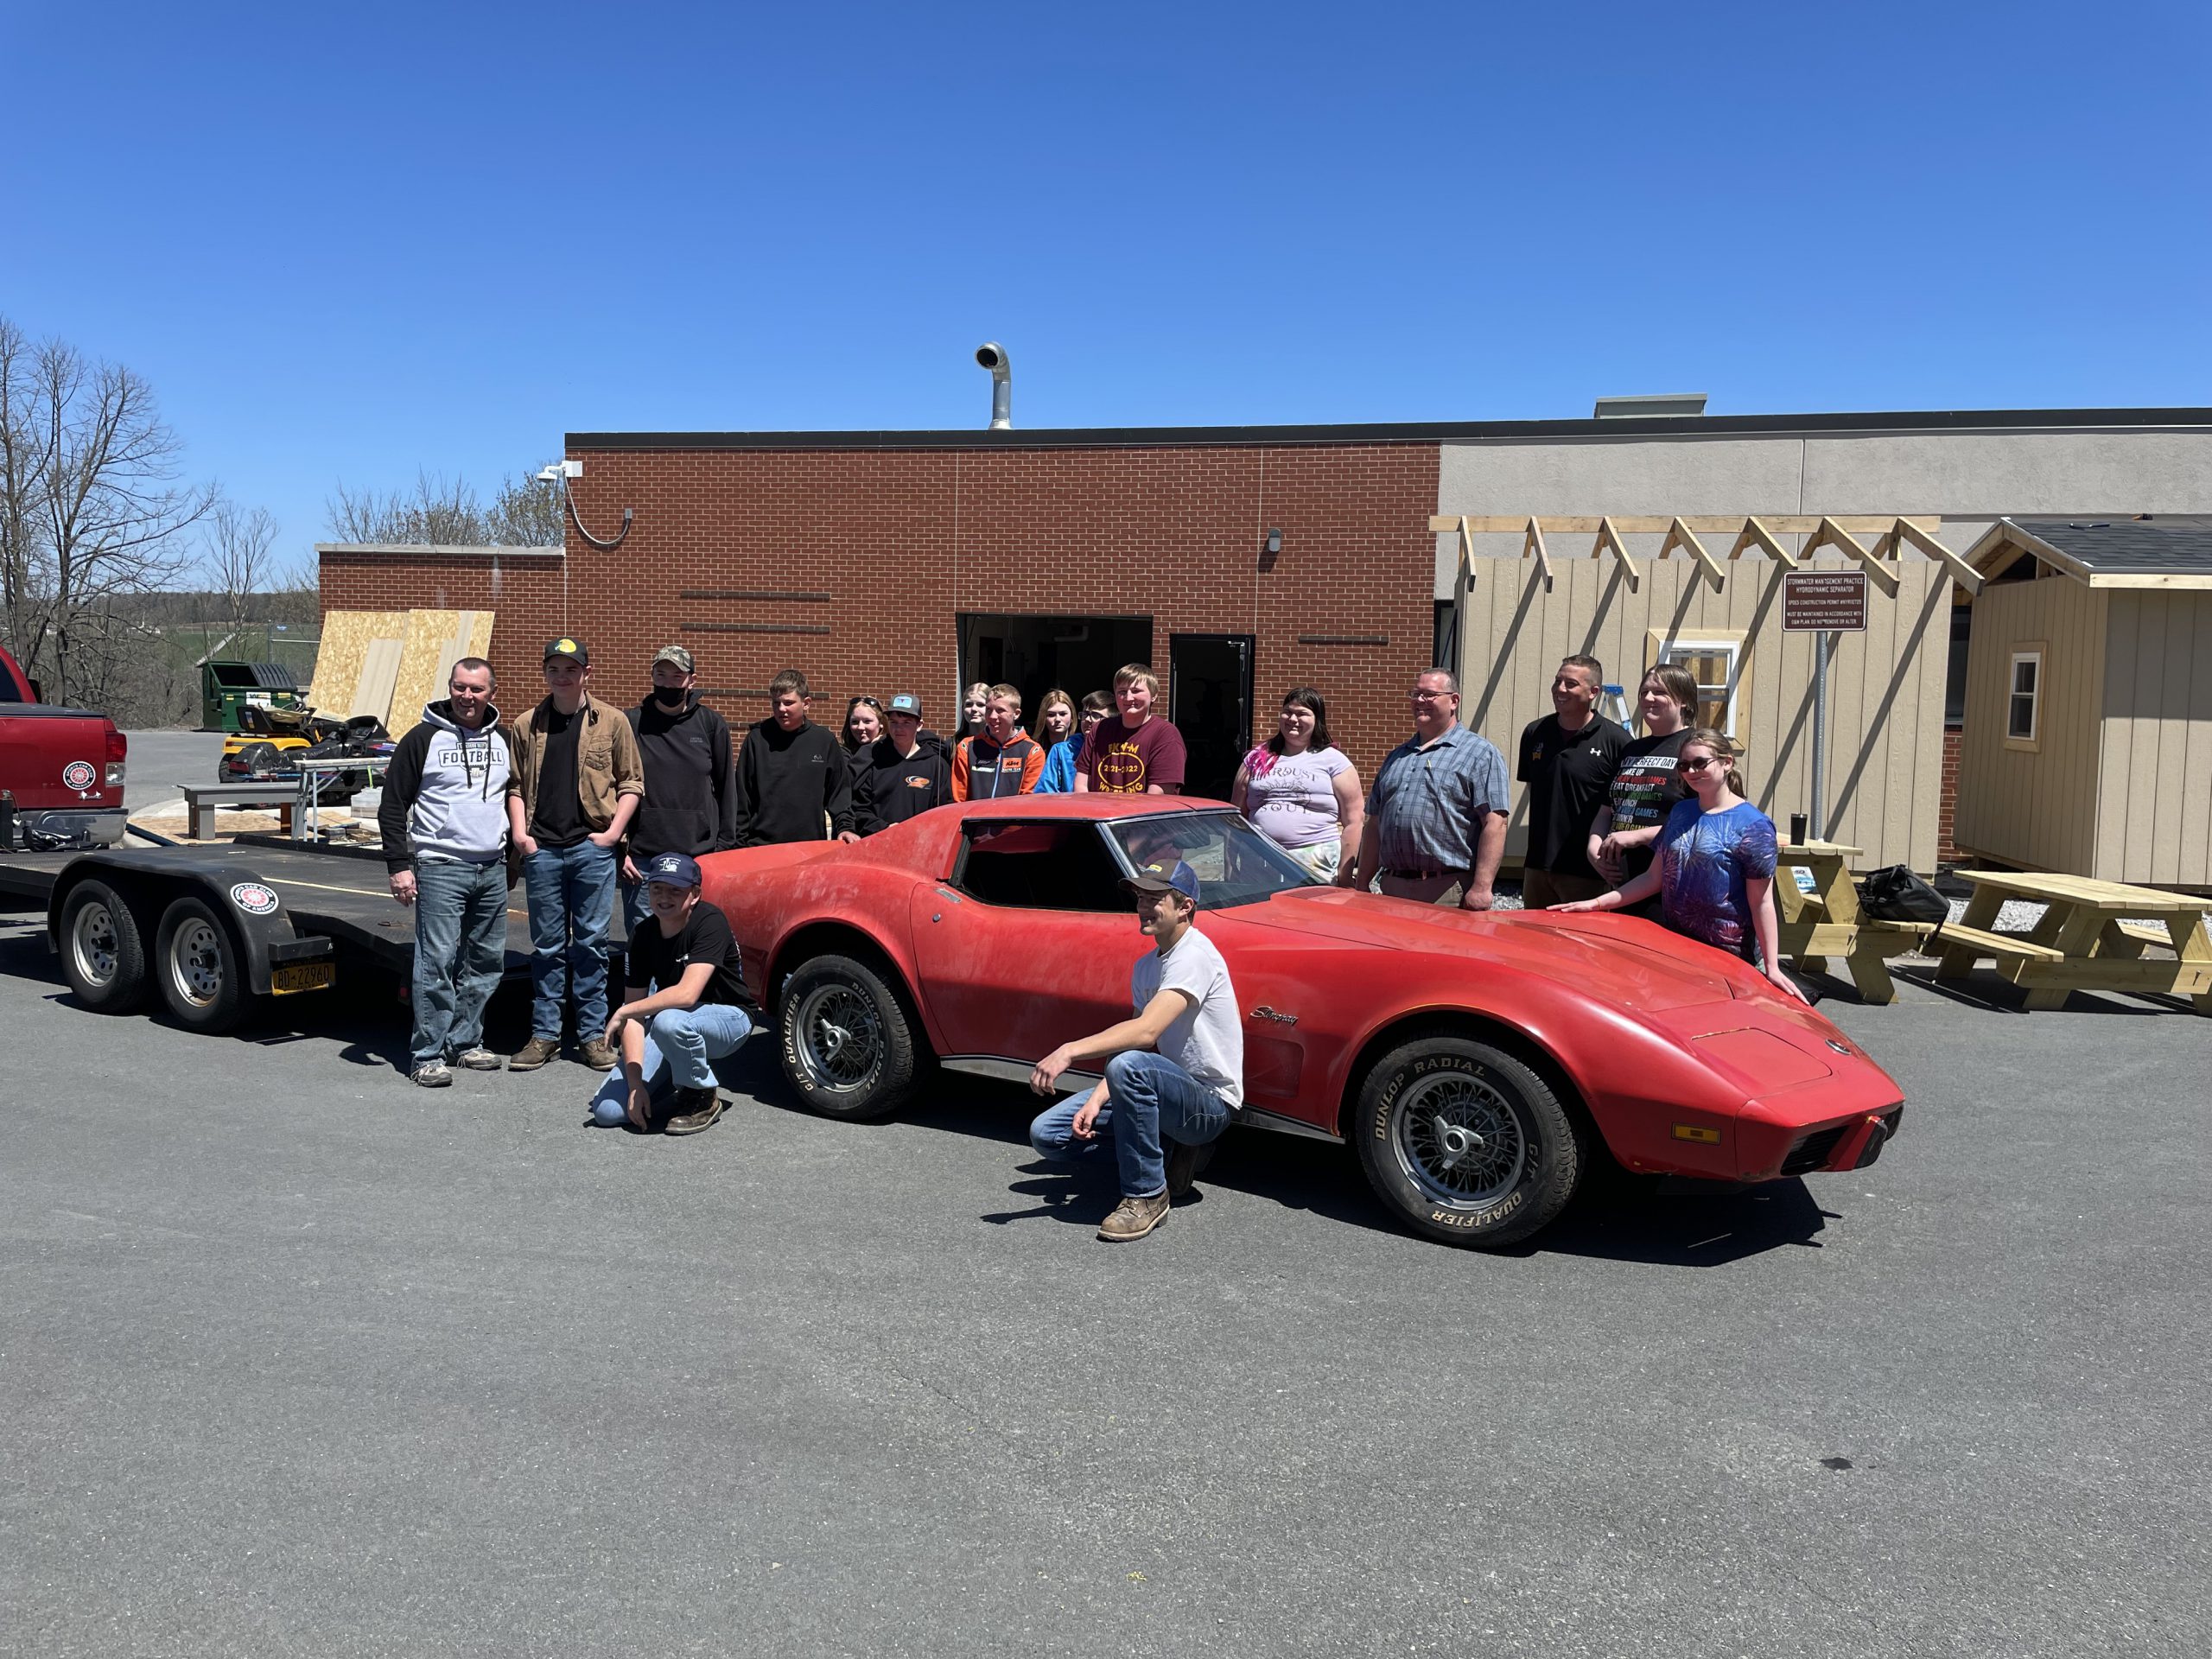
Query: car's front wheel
[
  {"x": 847, "y": 1046},
  {"x": 1465, "y": 1143}
]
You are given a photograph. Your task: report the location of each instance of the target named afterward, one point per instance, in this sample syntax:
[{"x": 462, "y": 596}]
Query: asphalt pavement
[
  {"x": 160, "y": 764},
  {"x": 299, "y": 1358}
]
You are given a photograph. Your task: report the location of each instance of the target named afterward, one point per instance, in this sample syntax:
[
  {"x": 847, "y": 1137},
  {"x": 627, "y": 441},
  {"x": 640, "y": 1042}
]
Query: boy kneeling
[
  {"x": 1174, "y": 1082},
  {"x": 669, "y": 1038}
]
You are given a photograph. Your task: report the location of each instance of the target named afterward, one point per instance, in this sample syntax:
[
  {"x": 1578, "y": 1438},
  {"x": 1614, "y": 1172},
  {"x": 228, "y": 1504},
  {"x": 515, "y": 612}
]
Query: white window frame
[
  {"x": 1672, "y": 650},
  {"x": 2028, "y": 652}
]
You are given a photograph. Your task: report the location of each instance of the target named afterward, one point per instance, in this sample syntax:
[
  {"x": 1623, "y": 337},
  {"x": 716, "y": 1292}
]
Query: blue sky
[{"x": 347, "y": 243}]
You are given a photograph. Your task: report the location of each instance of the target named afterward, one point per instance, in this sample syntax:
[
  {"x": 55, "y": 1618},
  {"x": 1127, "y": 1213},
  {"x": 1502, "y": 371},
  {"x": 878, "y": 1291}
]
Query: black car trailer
[{"x": 213, "y": 931}]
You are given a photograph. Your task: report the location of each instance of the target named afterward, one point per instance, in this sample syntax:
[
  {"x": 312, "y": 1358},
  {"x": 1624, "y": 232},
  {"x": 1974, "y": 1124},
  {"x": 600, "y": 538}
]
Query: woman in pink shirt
[{"x": 1299, "y": 793}]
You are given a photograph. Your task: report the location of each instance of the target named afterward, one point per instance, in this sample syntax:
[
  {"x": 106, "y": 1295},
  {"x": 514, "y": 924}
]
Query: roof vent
[{"x": 1665, "y": 403}]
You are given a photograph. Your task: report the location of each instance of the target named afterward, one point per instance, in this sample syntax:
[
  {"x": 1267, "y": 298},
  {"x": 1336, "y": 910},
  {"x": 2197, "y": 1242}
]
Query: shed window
[
  {"x": 2020, "y": 722},
  {"x": 1712, "y": 664}
]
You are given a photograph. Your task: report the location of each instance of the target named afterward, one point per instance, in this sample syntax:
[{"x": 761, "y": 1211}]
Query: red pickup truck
[{"x": 61, "y": 769}]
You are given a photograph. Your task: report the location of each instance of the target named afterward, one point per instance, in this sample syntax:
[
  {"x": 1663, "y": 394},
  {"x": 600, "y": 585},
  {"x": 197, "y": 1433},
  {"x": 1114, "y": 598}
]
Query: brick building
[
  {"x": 881, "y": 562},
  {"x": 895, "y": 561}
]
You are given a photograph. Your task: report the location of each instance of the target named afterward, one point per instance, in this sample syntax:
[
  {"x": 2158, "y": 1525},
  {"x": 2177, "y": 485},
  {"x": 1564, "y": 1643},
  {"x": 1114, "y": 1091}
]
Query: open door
[{"x": 1209, "y": 700}]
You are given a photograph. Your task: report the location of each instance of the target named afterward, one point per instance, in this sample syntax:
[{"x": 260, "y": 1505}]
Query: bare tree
[
  {"x": 526, "y": 514},
  {"x": 241, "y": 556},
  {"x": 436, "y": 513},
  {"x": 91, "y": 509}
]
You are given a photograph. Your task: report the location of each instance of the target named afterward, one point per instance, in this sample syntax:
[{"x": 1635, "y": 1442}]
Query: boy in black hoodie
[
  {"x": 690, "y": 803},
  {"x": 794, "y": 782}
]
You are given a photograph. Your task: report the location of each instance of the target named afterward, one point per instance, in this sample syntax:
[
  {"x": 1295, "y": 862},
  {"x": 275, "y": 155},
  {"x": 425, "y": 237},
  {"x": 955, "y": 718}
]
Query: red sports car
[{"x": 1478, "y": 1061}]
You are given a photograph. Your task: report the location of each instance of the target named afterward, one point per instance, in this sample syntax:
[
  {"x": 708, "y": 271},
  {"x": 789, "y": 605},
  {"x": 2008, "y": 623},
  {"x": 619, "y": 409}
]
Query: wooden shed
[
  {"x": 1637, "y": 591},
  {"x": 2088, "y": 744}
]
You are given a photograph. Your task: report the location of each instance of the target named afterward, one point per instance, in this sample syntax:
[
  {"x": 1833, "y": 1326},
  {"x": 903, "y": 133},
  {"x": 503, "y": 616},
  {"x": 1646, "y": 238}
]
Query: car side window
[{"x": 1040, "y": 866}]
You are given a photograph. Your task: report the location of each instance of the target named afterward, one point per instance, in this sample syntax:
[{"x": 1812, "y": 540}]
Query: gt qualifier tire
[
  {"x": 103, "y": 956},
  {"x": 199, "y": 967},
  {"x": 1465, "y": 1143},
  {"x": 847, "y": 1044}
]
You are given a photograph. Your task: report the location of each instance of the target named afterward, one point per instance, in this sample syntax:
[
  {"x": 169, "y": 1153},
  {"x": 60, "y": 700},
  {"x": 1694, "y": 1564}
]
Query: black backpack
[{"x": 1896, "y": 894}]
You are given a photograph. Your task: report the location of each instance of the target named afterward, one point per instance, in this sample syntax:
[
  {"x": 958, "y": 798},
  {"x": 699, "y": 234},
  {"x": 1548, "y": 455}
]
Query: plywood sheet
[
  {"x": 347, "y": 637},
  {"x": 380, "y": 669}
]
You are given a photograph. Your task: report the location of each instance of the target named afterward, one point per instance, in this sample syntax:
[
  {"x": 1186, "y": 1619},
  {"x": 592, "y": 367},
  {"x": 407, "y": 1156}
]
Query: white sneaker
[
  {"x": 431, "y": 1074},
  {"x": 479, "y": 1060}
]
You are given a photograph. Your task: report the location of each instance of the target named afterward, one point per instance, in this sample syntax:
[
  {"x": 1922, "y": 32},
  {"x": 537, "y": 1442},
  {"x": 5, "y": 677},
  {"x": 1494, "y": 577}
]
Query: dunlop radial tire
[
  {"x": 847, "y": 1045},
  {"x": 1464, "y": 1143}
]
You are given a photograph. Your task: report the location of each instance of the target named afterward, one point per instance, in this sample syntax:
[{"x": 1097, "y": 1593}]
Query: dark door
[{"x": 1209, "y": 700}]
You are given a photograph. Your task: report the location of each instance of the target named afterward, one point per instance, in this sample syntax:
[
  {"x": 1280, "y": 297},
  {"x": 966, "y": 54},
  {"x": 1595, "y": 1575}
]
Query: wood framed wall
[{"x": 1885, "y": 686}]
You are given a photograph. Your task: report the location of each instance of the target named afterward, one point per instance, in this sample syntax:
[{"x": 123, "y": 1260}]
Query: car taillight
[{"x": 118, "y": 745}]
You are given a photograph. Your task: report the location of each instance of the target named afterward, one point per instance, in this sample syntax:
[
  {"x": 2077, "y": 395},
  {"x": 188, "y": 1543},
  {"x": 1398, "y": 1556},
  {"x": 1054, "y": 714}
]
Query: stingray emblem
[{"x": 1264, "y": 1012}]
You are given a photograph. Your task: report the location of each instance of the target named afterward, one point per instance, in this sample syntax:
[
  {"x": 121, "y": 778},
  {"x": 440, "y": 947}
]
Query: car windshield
[{"x": 1234, "y": 862}]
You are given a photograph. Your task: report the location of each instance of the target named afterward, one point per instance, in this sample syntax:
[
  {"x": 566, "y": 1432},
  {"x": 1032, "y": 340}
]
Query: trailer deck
[{"x": 341, "y": 893}]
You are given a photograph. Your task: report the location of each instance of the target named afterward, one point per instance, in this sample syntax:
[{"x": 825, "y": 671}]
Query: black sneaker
[{"x": 692, "y": 1110}]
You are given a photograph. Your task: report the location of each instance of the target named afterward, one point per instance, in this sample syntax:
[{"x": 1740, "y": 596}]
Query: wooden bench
[
  {"x": 2085, "y": 941},
  {"x": 203, "y": 802},
  {"x": 1962, "y": 947}
]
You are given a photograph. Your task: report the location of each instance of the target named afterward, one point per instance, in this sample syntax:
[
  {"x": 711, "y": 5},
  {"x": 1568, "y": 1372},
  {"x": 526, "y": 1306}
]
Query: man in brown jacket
[{"x": 577, "y": 780}]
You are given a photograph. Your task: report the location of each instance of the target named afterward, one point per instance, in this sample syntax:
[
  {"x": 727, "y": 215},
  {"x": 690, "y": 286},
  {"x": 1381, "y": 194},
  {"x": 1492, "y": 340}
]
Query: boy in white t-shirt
[{"x": 1174, "y": 1079}]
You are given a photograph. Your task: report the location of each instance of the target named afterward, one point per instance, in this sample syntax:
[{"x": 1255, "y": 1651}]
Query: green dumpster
[{"x": 224, "y": 687}]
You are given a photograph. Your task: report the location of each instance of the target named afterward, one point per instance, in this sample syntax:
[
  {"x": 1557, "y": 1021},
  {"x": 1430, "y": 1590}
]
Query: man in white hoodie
[{"x": 444, "y": 821}]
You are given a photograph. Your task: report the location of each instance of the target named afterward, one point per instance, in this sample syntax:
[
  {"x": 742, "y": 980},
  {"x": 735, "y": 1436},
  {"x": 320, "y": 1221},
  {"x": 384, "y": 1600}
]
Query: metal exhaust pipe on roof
[{"x": 991, "y": 355}]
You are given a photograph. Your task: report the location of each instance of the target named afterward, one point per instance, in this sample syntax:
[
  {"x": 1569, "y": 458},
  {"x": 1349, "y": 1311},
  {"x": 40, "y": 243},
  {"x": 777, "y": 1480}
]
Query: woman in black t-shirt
[
  {"x": 683, "y": 1010},
  {"x": 1645, "y": 786}
]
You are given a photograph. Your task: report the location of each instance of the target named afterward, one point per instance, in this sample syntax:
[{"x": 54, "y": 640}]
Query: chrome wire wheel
[
  {"x": 1460, "y": 1140},
  {"x": 196, "y": 961},
  {"x": 93, "y": 946},
  {"x": 840, "y": 1037}
]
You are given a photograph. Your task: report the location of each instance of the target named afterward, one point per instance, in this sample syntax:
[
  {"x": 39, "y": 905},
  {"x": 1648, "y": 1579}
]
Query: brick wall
[
  {"x": 1947, "y": 799},
  {"x": 858, "y": 560}
]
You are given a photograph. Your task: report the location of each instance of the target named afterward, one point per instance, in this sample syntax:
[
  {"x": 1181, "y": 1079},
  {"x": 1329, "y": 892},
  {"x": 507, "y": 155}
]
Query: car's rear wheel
[
  {"x": 1465, "y": 1143},
  {"x": 848, "y": 1046},
  {"x": 103, "y": 956},
  {"x": 199, "y": 967}
]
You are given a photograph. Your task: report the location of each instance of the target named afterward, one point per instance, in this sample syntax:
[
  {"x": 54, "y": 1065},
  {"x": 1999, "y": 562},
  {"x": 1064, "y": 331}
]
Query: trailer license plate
[{"x": 307, "y": 976}]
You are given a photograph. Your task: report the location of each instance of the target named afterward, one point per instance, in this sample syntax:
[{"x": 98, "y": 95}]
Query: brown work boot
[
  {"x": 599, "y": 1056},
  {"x": 1184, "y": 1163},
  {"x": 534, "y": 1053},
  {"x": 1133, "y": 1218},
  {"x": 692, "y": 1110}
]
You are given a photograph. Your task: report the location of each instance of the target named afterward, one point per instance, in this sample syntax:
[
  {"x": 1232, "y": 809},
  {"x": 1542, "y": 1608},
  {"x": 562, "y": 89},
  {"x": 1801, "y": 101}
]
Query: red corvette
[{"x": 1478, "y": 1061}]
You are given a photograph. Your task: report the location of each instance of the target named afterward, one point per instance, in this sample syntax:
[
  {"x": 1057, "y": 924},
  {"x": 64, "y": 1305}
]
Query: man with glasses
[{"x": 1436, "y": 829}]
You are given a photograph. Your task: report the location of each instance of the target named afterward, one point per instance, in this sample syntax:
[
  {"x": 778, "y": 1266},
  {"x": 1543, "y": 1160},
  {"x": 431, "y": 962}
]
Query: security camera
[{"x": 550, "y": 474}]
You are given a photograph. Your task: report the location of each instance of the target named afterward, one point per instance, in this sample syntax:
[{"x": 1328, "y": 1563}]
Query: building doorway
[
  {"x": 1209, "y": 700},
  {"x": 1079, "y": 654}
]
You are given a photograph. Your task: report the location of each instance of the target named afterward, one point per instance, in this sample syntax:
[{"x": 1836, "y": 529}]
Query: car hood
[{"x": 1621, "y": 960}]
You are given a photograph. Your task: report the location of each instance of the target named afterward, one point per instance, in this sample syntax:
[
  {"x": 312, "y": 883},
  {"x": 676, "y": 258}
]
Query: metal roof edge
[
  {"x": 485, "y": 550},
  {"x": 1611, "y": 429}
]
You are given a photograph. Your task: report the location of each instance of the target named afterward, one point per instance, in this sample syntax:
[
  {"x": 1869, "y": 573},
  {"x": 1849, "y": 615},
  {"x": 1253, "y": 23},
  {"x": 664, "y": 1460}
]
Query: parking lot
[{"x": 299, "y": 1358}]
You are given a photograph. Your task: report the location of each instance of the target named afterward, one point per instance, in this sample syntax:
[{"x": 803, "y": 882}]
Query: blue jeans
[
  {"x": 460, "y": 950},
  {"x": 571, "y": 891},
  {"x": 1148, "y": 1100},
  {"x": 681, "y": 1046}
]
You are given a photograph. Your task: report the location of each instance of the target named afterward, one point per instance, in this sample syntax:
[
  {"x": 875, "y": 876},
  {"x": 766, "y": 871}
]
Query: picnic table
[
  {"x": 2086, "y": 940},
  {"x": 1828, "y": 922}
]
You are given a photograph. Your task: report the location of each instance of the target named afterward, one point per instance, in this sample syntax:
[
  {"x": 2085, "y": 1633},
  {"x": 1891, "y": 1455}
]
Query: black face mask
[{"x": 671, "y": 700}]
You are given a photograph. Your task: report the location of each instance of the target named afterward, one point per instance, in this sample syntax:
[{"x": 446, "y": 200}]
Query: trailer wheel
[
  {"x": 201, "y": 968},
  {"x": 103, "y": 956}
]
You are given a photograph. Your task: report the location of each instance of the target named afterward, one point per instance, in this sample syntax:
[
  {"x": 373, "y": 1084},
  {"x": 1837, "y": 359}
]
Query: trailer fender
[{"x": 150, "y": 879}]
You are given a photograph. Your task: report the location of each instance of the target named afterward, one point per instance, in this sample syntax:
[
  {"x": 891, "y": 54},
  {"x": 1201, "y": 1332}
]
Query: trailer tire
[
  {"x": 200, "y": 968},
  {"x": 103, "y": 955}
]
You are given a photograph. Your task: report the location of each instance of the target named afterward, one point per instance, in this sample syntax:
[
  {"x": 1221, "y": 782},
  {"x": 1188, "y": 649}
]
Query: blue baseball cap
[
  {"x": 673, "y": 870},
  {"x": 1177, "y": 877}
]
